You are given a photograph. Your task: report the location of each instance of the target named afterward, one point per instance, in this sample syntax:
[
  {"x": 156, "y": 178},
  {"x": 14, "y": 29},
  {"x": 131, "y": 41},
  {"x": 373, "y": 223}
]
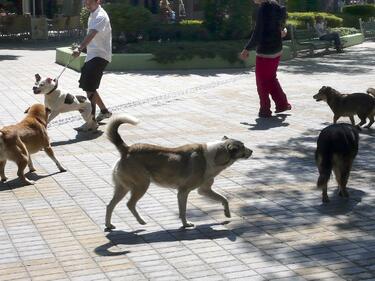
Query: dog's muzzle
[
  {"x": 36, "y": 90},
  {"x": 248, "y": 153}
]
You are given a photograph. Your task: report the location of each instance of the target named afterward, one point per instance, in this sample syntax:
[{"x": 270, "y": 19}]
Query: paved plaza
[{"x": 279, "y": 228}]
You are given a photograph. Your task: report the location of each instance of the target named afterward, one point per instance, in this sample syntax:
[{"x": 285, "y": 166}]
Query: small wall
[{"x": 131, "y": 62}]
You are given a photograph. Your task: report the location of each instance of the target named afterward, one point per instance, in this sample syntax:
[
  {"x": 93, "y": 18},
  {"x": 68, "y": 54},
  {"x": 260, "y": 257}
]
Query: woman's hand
[
  {"x": 284, "y": 32},
  {"x": 244, "y": 54}
]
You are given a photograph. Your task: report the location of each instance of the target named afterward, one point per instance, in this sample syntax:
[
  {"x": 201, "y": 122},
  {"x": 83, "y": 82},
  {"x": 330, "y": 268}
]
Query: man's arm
[{"x": 85, "y": 42}]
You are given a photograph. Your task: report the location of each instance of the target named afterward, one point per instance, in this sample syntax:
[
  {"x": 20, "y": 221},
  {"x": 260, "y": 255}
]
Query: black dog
[{"x": 337, "y": 147}]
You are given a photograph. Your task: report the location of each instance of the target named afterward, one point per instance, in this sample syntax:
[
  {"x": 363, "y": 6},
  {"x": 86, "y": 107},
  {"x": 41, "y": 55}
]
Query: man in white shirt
[{"x": 98, "y": 43}]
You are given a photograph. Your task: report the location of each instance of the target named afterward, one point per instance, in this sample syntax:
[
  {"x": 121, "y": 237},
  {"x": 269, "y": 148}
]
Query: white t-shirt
[{"x": 101, "y": 44}]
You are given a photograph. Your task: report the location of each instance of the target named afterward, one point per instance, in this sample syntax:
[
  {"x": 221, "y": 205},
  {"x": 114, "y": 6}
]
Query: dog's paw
[
  {"x": 109, "y": 228},
  {"x": 344, "y": 193},
  {"x": 188, "y": 224},
  {"x": 4, "y": 179},
  {"x": 142, "y": 222},
  {"x": 226, "y": 210},
  {"x": 28, "y": 182},
  {"x": 227, "y": 213},
  {"x": 62, "y": 169},
  {"x": 325, "y": 199}
]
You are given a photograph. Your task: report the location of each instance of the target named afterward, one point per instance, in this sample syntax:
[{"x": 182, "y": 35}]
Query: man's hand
[
  {"x": 76, "y": 52},
  {"x": 244, "y": 54}
]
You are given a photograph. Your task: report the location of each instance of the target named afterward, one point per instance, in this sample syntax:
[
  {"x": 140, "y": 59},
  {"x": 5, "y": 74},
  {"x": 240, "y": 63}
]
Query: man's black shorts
[{"x": 91, "y": 74}]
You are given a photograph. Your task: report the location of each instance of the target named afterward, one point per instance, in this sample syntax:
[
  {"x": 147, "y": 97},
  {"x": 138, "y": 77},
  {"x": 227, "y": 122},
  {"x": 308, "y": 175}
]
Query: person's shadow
[
  {"x": 120, "y": 237},
  {"x": 81, "y": 136},
  {"x": 268, "y": 123}
]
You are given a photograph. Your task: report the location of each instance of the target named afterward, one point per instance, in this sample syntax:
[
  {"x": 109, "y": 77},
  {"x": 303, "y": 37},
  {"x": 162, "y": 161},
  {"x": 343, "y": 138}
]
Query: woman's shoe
[{"x": 279, "y": 110}]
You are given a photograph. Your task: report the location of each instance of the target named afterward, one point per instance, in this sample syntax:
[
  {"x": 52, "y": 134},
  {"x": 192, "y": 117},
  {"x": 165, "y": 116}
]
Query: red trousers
[{"x": 267, "y": 84}]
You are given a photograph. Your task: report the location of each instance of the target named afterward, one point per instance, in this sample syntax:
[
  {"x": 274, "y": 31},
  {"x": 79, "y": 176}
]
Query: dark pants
[{"x": 334, "y": 36}]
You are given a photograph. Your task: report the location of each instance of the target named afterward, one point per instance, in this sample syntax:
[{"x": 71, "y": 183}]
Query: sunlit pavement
[{"x": 279, "y": 228}]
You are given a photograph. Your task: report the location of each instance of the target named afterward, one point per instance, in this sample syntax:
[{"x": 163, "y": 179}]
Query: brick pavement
[{"x": 279, "y": 229}]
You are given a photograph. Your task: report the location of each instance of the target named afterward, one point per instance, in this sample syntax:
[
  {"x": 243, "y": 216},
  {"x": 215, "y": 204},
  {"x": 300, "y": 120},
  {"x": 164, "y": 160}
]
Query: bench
[
  {"x": 367, "y": 28},
  {"x": 306, "y": 39}
]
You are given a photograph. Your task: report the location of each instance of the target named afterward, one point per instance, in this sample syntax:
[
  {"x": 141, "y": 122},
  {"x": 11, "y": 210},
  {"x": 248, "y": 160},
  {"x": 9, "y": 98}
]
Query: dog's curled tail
[
  {"x": 371, "y": 91},
  {"x": 112, "y": 131}
]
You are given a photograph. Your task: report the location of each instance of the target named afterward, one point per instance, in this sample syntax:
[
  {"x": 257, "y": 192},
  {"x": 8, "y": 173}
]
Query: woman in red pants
[{"x": 267, "y": 40}]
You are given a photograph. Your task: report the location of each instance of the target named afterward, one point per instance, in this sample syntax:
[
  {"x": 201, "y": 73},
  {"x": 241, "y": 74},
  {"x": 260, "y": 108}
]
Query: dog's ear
[
  {"x": 222, "y": 156},
  {"x": 233, "y": 150},
  {"x": 27, "y": 110},
  {"x": 37, "y": 78},
  {"x": 224, "y": 138}
]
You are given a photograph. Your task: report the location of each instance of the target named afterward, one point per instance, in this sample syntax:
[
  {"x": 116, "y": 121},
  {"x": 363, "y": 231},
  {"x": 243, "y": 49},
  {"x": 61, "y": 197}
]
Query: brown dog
[
  {"x": 348, "y": 105},
  {"x": 29, "y": 136},
  {"x": 184, "y": 168}
]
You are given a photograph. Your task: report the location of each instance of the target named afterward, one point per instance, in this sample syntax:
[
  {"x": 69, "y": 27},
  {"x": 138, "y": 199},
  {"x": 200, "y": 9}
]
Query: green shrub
[
  {"x": 304, "y": 5},
  {"x": 345, "y": 30},
  {"x": 125, "y": 18},
  {"x": 228, "y": 19},
  {"x": 183, "y": 31},
  {"x": 363, "y": 11},
  {"x": 349, "y": 20},
  {"x": 352, "y": 14},
  {"x": 301, "y": 20},
  {"x": 168, "y": 52}
]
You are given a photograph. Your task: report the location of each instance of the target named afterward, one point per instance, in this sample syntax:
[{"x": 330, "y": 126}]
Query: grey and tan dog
[
  {"x": 184, "y": 168},
  {"x": 348, "y": 105}
]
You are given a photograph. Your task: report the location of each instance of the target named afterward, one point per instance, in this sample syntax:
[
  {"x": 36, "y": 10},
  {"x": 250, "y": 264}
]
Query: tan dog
[
  {"x": 185, "y": 168},
  {"x": 348, "y": 105},
  {"x": 29, "y": 136}
]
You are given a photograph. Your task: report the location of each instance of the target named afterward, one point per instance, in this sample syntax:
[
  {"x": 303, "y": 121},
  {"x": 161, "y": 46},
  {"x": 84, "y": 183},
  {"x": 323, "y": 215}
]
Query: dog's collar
[{"x": 54, "y": 88}]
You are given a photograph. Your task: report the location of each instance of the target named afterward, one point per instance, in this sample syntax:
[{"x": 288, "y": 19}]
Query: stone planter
[{"x": 137, "y": 62}]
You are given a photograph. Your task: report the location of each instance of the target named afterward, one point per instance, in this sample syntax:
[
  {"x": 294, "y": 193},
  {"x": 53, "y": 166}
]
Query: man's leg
[
  {"x": 335, "y": 37},
  {"x": 91, "y": 97}
]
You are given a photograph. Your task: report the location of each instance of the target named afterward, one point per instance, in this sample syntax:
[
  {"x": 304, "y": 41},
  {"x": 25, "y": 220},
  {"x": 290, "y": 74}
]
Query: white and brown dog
[
  {"x": 184, "y": 168},
  {"x": 59, "y": 102},
  {"x": 19, "y": 141}
]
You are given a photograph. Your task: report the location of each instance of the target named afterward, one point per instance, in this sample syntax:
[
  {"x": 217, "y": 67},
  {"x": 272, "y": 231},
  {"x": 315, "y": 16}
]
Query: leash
[
  {"x": 71, "y": 58},
  {"x": 66, "y": 65}
]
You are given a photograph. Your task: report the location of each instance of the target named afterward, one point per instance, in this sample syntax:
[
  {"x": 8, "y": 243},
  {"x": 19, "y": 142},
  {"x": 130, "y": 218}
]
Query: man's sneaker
[
  {"x": 86, "y": 127},
  {"x": 104, "y": 115}
]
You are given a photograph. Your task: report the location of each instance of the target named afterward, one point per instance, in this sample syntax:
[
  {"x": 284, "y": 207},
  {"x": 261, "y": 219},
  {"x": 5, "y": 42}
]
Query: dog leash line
[{"x": 66, "y": 65}]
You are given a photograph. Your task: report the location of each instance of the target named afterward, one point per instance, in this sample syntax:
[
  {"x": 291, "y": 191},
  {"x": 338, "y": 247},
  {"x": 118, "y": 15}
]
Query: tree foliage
[{"x": 228, "y": 19}]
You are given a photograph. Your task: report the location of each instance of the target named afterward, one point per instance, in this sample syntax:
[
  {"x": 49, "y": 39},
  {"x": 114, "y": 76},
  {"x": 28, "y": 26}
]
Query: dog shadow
[
  {"x": 81, "y": 136},
  {"x": 339, "y": 205},
  {"x": 16, "y": 182},
  {"x": 262, "y": 124},
  {"x": 121, "y": 237}
]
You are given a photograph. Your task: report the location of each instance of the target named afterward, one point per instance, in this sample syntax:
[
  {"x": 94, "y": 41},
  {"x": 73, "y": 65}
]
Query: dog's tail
[
  {"x": 371, "y": 91},
  {"x": 112, "y": 131}
]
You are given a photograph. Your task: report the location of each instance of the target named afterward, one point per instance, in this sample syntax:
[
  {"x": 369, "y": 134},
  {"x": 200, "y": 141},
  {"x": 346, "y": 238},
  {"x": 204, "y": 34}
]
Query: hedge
[
  {"x": 167, "y": 52},
  {"x": 300, "y": 20}
]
